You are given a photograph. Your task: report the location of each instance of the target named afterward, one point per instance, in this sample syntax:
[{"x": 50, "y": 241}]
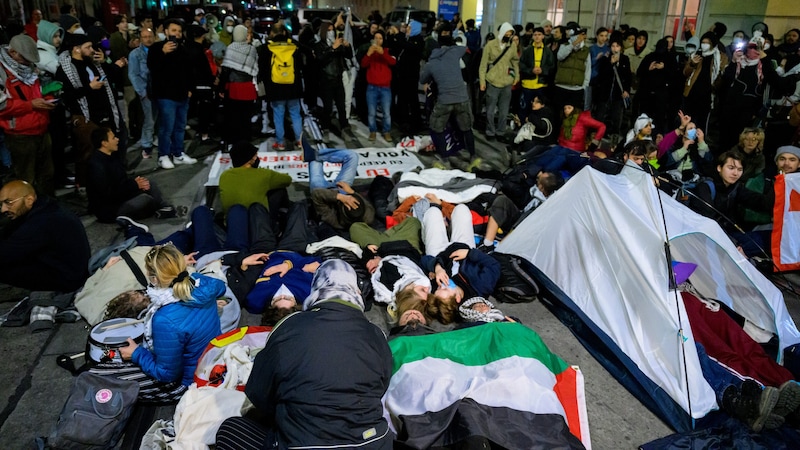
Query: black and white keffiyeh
[
  {"x": 65, "y": 61},
  {"x": 471, "y": 315},
  {"x": 243, "y": 57}
]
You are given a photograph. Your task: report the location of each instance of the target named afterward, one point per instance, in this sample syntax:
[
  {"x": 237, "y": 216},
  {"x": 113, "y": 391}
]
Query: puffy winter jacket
[
  {"x": 181, "y": 331},
  {"x": 581, "y": 130},
  {"x": 17, "y": 115}
]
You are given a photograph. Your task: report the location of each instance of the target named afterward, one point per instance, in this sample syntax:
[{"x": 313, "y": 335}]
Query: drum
[{"x": 107, "y": 337}]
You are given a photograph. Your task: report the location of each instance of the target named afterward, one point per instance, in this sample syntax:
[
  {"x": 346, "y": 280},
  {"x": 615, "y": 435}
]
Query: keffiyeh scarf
[
  {"x": 65, "y": 61},
  {"x": 243, "y": 57},
  {"x": 25, "y": 73}
]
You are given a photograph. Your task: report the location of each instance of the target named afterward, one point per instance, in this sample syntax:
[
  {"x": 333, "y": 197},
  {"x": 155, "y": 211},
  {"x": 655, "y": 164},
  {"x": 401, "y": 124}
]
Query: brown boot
[
  {"x": 372, "y": 136},
  {"x": 388, "y": 137}
]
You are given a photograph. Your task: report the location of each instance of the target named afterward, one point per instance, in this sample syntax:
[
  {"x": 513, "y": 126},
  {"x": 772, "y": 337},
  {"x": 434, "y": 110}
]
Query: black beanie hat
[{"x": 242, "y": 152}]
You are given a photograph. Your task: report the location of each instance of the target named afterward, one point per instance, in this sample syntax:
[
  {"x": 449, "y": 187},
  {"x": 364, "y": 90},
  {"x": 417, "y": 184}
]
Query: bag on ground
[{"x": 95, "y": 413}]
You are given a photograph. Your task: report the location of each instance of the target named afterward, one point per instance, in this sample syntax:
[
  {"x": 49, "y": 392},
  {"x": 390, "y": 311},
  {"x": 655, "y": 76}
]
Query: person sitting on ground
[
  {"x": 44, "y": 247},
  {"x": 313, "y": 387},
  {"x": 340, "y": 208},
  {"x": 642, "y": 130},
  {"x": 690, "y": 156},
  {"x": 571, "y": 152},
  {"x": 112, "y": 194},
  {"x": 721, "y": 198},
  {"x": 180, "y": 322},
  {"x": 537, "y": 134},
  {"x": 243, "y": 184},
  {"x": 751, "y": 145},
  {"x": 787, "y": 158}
]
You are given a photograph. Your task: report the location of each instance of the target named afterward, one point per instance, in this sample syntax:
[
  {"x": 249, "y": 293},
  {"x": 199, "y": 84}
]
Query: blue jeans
[
  {"x": 171, "y": 126},
  {"x": 348, "y": 159},
  {"x": 376, "y": 95},
  {"x": 200, "y": 237},
  {"x": 148, "y": 123},
  {"x": 278, "y": 109}
]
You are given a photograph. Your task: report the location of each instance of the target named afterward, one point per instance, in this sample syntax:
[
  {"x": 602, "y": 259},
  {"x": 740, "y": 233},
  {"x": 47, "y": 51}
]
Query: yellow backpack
[{"x": 282, "y": 61}]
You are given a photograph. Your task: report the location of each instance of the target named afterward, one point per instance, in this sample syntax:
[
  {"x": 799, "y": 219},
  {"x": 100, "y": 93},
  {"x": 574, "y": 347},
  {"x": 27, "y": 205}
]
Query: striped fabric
[{"x": 495, "y": 380}]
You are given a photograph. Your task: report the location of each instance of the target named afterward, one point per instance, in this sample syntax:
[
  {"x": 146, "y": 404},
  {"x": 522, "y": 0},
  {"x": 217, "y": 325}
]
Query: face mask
[
  {"x": 691, "y": 134},
  {"x": 331, "y": 36},
  {"x": 705, "y": 47},
  {"x": 229, "y": 29},
  {"x": 690, "y": 51},
  {"x": 79, "y": 30},
  {"x": 506, "y": 39},
  {"x": 254, "y": 165},
  {"x": 445, "y": 40},
  {"x": 766, "y": 46},
  {"x": 162, "y": 36}
]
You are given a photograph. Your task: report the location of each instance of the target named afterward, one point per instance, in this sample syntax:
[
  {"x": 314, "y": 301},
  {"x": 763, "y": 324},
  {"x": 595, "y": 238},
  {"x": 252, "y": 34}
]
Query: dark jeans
[
  {"x": 143, "y": 205},
  {"x": 333, "y": 92},
  {"x": 237, "y": 120}
]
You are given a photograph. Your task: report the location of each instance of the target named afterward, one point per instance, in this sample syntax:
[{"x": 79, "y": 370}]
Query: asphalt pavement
[{"x": 35, "y": 388}]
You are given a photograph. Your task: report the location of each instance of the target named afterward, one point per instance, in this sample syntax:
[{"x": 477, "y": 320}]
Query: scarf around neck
[
  {"x": 23, "y": 72},
  {"x": 159, "y": 297},
  {"x": 569, "y": 123},
  {"x": 65, "y": 61},
  {"x": 243, "y": 57}
]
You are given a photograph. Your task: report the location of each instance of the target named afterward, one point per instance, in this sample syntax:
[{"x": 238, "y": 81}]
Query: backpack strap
[
  {"x": 137, "y": 271},
  {"x": 712, "y": 187}
]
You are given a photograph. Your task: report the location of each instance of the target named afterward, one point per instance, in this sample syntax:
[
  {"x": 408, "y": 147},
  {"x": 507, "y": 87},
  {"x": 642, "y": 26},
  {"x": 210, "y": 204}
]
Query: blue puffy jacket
[{"x": 181, "y": 331}]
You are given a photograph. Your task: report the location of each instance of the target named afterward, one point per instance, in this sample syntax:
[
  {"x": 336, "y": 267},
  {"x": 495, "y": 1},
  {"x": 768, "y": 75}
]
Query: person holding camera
[
  {"x": 168, "y": 62},
  {"x": 744, "y": 81},
  {"x": 333, "y": 52},
  {"x": 612, "y": 86}
]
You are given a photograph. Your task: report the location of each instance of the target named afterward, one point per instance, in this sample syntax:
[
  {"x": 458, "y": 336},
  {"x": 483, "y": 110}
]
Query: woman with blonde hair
[
  {"x": 751, "y": 144},
  {"x": 179, "y": 323}
]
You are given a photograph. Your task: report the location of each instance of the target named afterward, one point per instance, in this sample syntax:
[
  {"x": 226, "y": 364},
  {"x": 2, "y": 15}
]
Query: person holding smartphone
[
  {"x": 24, "y": 114},
  {"x": 169, "y": 61}
]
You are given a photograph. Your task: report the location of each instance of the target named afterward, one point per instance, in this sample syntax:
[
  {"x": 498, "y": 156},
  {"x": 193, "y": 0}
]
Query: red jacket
[
  {"x": 17, "y": 116},
  {"x": 379, "y": 72},
  {"x": 584, "y": 125}
]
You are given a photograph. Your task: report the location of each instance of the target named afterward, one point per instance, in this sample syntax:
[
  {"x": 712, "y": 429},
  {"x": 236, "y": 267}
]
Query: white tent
[{"x": 601, "y": 238}]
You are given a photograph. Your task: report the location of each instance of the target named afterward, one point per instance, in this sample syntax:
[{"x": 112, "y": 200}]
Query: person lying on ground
[
  {"x": 310, "y": 386},
  {"x": 286, "y": 277},
  {"x": 504, "y": 214},
  {"x": 341, "y": 207}
]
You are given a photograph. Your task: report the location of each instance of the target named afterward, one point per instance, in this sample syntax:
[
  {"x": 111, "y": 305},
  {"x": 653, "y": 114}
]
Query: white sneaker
[
  {"x": 165, "y": 162},
  {"x": 184, "y": 159}
]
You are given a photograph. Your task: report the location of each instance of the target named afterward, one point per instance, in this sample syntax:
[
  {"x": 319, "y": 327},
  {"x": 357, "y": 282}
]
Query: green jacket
[
  {"x": 572, "y": 70},
  {"x": 498, "y": 75}
]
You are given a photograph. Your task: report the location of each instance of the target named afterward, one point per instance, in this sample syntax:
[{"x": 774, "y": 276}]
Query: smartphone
[
  {"x": 103, "y": 78},
  {"x": 53, "y": 100},
  {"x": 340, "y": 34}
]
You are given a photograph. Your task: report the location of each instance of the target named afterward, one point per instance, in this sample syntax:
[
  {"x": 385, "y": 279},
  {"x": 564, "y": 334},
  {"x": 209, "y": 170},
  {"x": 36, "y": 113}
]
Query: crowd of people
[{"x": 711, "y": 122}]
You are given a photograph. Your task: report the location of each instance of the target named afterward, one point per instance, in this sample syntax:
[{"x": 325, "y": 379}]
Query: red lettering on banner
[{"x": 376, "y": 172}]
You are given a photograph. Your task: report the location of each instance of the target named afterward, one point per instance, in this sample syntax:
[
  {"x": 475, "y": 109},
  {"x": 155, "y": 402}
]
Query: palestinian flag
[{"x": 496, "y": 380}]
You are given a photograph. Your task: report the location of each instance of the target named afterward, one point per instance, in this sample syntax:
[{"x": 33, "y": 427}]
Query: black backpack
[
  {"x": 515, "y": 284},
  {"x": 95, "y": 413}
]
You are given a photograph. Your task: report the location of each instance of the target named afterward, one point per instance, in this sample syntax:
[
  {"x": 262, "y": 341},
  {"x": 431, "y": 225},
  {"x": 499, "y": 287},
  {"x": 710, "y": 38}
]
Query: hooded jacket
[
  {"x": 506, "y": 71},
  {"x": 444, "y": 68},
  {"x": 181, "y": 332},
  {"x": 48, "y": 54}
]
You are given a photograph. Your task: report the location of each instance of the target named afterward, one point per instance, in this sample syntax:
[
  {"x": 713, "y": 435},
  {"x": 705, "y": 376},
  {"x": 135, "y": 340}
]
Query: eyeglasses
[{"x": 11, "y": 202}]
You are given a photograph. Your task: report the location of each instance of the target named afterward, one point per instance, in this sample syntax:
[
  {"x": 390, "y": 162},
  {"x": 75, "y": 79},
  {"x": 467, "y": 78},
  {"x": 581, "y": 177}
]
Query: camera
[{"x": 340, "y": 35}]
